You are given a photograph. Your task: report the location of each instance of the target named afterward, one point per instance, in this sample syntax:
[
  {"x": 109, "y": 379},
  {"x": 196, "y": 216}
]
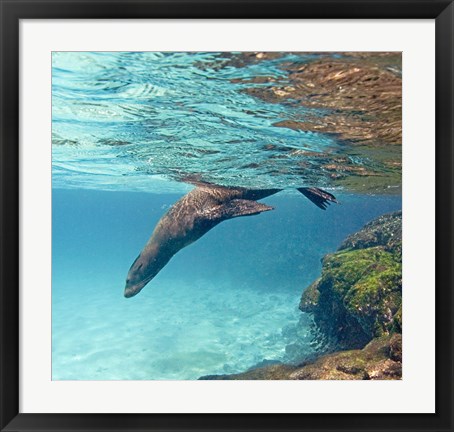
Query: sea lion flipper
[
  {"x": 239, "y": 207},
  {"x": 318, "y": 196}
]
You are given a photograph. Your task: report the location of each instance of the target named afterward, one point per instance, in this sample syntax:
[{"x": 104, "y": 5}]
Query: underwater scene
[{"x": 226, "y": 216}]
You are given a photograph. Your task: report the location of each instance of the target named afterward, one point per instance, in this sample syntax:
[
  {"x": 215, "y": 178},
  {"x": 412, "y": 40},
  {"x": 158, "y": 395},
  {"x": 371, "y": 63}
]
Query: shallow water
[
  {"x": 221, "y": 305},
  {"x": 126, "y": 127}
]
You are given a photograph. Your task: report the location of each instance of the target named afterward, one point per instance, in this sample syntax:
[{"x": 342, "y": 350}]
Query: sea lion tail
[{"x": 318, "y": 196}]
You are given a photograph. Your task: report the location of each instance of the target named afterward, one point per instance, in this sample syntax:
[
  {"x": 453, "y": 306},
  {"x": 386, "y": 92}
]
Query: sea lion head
[{"x": 139, "y": 275}]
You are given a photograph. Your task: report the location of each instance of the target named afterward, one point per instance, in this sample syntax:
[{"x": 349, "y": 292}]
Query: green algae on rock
[
  {"x": 359, "y": 294},
  {"x": 310, "y": 297}
]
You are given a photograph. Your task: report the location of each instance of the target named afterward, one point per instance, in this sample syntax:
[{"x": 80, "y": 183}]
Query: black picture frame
[{"x": 12, "y": 11}]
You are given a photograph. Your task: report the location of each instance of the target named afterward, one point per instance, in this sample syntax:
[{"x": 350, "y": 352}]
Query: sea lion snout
[
  {"x": 131, "y": 288},
  {"x": 137, "y": 277},
  {"x": 131, "y": 291}
]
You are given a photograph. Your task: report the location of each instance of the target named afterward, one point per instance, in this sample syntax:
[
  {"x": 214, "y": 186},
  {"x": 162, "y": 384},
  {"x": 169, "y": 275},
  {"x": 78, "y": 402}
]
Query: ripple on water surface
[{"x": 241, "y": 119}]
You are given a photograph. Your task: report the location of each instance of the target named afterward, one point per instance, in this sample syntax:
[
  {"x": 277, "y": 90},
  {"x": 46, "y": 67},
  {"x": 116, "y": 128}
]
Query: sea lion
[{"x": 193, "y": 216}]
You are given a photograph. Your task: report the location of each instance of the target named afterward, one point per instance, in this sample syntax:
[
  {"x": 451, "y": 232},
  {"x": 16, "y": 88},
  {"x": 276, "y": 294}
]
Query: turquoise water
[
  {"x": 221, "y": 305},
  {"x": 126, "y": 128},
  {"x": 124, "y": 121}
]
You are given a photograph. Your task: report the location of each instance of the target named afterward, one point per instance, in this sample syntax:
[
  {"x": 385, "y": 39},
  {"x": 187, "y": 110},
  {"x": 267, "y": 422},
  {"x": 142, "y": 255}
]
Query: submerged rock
[
  {"x": 374, "y": 362},
  {"x": 274, "y": 372},
  {"x": 359, "y": 294},
  {"x": 385, "y": 231},
  {"x": 381, "y": 359}
]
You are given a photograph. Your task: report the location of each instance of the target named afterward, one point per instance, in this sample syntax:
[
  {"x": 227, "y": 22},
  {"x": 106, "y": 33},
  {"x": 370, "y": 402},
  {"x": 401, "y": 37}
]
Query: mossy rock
[
  {"x": 369, "y": 281},
  {"x": 346, "y": 268},
  {"x": 366, "y": 283},
  {"x": 385, "y": 231},
  {"x": 359, "y": 294},
  {"x": 309, "y": 299},
  {"x": 397, "y": 322}
]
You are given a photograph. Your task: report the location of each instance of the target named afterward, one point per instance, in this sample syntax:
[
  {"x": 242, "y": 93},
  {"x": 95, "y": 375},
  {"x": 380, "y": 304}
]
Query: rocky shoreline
[{"x": 357, "y": 309}]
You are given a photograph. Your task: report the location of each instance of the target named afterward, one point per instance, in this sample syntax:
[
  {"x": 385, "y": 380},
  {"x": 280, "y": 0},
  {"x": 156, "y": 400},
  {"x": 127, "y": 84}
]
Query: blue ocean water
[
  {"x": 125, "y": 128},
  {"x": 221, "y": 305}
]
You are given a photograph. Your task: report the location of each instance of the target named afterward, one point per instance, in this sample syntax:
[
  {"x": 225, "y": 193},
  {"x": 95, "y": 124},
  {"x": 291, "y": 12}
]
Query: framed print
[{"x": 137, "y": 137}]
